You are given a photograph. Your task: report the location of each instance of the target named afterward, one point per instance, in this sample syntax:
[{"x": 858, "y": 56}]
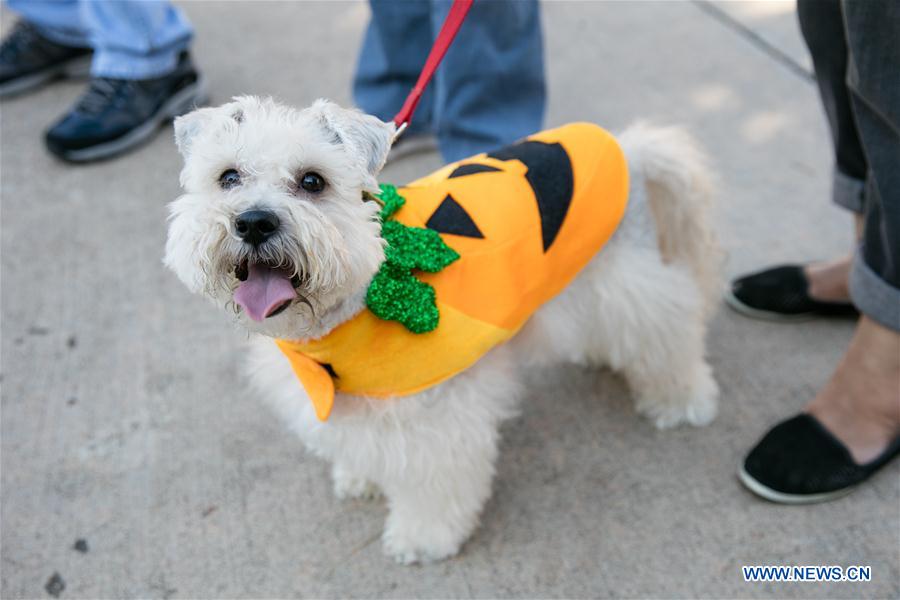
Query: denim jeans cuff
[
  {"x": 873, "y": 296},
  {"x": 118, "y": 65},
  {"x": 848, "y": 191},
  {"x": 64, "y": 37}
]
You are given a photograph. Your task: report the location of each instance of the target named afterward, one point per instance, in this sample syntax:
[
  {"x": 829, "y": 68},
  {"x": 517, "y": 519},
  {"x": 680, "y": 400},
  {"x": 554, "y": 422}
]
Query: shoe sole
[
  {"x": 72, "y": 69},
  {"x": 764, "y": 315},
  {"x": 771, "y": 495},
  {"x": 184, "y": 101}
]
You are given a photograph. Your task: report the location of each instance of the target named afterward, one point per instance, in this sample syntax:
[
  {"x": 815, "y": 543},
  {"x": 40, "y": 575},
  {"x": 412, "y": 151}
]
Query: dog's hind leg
[{"x": 653, "y": 332}]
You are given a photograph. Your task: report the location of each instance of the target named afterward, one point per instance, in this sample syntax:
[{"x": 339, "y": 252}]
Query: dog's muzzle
[{"x": 256, "y": 226}]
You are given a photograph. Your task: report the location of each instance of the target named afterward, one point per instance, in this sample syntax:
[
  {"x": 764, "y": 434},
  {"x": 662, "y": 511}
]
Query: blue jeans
[
  {"x": 489, "y": 90},
  {"x": 132, "y": 39}
]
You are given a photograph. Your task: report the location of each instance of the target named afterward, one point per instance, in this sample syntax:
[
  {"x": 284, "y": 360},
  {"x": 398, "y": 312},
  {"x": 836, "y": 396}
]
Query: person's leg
[
  {"x": 860, "y": 404},
  {"x": 820, "y": 288},
  {"x": 822, "y": 27},
  {"x": 852, "y": 426},
  {"x": 135, "y": 39},
  {"x": 490, "y": 89},
  {"x": 46, "y": 43},
  {"x": 394, "y": 49},
  {"x": 873, "y": 77},
  {"x": 141, "y": 77},
  {"x": 58, "y": 21}
]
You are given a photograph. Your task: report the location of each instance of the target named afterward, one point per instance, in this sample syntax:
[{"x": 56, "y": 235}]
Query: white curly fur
[{"x": 639, "y": 307}]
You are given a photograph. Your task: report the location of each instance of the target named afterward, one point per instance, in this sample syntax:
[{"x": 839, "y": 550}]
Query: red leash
[{"x": 449, "y": 29}]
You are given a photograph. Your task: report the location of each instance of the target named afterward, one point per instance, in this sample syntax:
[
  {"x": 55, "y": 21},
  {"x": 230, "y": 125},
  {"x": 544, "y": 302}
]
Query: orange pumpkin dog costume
[{"x": 524, "y": 221}]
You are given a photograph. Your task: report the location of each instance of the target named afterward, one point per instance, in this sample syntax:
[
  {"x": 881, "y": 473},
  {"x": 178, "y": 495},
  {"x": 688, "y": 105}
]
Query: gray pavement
[{"x": 125, "y": 422}]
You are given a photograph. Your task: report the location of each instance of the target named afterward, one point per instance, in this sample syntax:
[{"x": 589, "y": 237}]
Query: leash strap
[{"x": 449, "y": 29}]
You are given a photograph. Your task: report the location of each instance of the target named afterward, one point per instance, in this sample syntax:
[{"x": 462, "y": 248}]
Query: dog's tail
[{"x": 680, "y": 190}]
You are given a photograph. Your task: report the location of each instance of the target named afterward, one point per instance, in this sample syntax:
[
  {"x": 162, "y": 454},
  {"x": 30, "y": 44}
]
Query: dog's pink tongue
[{"x": 264, "y": 290}]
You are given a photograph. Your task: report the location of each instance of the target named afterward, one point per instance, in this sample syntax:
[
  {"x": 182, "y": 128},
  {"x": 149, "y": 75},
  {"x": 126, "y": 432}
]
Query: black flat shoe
[
  {"x": 800, "y": 462},
  {"x": 781, "y": 294}
]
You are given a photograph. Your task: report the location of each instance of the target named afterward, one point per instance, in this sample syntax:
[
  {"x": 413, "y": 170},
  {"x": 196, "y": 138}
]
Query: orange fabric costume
[{"x": 524, "y": 220}]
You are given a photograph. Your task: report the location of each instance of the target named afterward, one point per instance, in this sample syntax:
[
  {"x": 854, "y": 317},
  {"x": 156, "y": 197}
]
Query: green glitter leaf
[
  {"x": 395, "y": 293},
  {"x": 391, "y": 201},
  {"x": 416, "y": 247}
]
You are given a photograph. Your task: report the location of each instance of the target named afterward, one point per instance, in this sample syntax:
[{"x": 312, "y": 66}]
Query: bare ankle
[
  {"x": 829, "y": 281},
  {"x": 859, "y": 403}
]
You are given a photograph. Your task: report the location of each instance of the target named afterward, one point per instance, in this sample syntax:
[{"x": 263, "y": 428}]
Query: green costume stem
[{"x": 395, "y": 293}]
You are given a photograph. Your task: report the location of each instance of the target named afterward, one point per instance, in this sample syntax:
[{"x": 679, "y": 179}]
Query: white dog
[{"x": 639, "y": 306}]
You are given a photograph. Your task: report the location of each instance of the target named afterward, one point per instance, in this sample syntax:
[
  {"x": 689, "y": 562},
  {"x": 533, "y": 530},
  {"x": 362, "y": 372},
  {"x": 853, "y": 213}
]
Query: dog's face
[{"x": 273, "y": 224}]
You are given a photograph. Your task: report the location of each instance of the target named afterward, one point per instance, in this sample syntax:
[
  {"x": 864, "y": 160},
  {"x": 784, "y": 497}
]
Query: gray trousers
[{"x": 855, "y": 47}]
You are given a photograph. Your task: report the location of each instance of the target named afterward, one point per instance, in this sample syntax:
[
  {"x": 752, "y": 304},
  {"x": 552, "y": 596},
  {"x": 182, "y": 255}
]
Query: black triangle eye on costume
[{"x": 452, "y": 218}]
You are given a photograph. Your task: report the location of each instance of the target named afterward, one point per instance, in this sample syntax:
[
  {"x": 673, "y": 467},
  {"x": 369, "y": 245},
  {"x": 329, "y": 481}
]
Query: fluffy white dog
[{"x": 640, "y": 305}]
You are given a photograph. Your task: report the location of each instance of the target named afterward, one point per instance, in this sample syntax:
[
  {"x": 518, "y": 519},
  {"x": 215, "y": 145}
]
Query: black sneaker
[
  {"x": 28, "y": 59},
  {"x": 115, "y": 115},
  {"x": 781, "y": 294},
  {"x": 800, "y": 462}
]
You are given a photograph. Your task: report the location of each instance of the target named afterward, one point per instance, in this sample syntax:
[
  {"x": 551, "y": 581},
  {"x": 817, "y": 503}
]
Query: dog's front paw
[
  {"x": 411, "y": 544},
  {"x": 698, "y": 408},
  {"x": 348, "y": 486},
  {"x": 697, "y": 414}
]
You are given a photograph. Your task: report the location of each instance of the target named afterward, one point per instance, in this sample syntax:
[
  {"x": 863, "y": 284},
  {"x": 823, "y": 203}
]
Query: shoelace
[{"x": 101, "y": 93}]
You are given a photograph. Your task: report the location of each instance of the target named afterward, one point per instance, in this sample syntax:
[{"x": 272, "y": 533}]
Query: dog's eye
[
  {"x": 312, "y": 182},
  {"x": 230, "y": 178}
]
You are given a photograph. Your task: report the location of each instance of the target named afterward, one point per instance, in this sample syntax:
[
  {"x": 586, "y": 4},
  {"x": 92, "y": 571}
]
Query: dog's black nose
[{"x": 256, "y": 226}]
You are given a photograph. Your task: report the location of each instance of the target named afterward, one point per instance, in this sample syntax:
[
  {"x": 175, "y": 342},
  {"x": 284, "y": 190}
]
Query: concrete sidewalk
[{"x": 125, "y": 422}]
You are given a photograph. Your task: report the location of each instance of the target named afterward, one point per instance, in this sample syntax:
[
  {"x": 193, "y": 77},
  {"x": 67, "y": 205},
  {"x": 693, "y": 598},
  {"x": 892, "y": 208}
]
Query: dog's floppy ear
[
  {"x": 188, "y": 126},
  {"x": 366, "y": 137}
]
